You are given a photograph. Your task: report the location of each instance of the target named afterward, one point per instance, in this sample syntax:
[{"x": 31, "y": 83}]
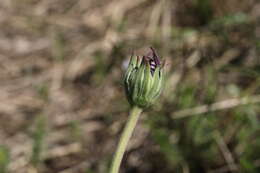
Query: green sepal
[
  {"x": 138, "y": 83},
  {"x": 157, "y": 83},
  {"x": 148, "y": 80}
]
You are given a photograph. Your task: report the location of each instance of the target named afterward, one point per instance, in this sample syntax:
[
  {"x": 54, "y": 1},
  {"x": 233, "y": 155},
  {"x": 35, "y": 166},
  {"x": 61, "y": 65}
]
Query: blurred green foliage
[
  {"x": 4, "y": 159},
  {"x": 194, "y": 142},
  {"x": 38, "y": 139},
  {"x": 204, "y": 10}
]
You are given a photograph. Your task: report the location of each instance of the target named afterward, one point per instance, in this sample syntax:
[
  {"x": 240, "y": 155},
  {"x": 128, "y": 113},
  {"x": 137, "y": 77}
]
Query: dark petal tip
[
  {"x": 145, "y": 60},
  {"x": 138, "y": 59},
  {"x": 155, "y": 56}
]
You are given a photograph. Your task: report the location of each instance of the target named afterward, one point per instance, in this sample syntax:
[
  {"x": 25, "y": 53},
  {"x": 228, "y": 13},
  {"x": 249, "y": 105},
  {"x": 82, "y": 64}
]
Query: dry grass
[{"x": 63, "y": 60}]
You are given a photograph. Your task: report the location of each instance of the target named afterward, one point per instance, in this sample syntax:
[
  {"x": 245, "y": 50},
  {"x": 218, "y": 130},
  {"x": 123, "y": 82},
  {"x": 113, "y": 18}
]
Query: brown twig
[
  {"x": 221, "y": 105},
  {"x": 225, "y": 152}
]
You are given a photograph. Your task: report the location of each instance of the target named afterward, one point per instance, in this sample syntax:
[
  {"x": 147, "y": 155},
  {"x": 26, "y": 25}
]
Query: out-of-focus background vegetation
[{"x": 62, "y": 103}]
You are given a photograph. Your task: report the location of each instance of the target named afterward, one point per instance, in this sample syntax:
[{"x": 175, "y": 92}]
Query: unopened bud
[{"x": 144, "y": 79}]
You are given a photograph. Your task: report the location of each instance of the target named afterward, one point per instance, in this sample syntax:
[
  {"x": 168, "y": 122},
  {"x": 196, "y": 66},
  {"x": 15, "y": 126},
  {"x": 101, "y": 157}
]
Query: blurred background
[{"x": 62, "y": 102}]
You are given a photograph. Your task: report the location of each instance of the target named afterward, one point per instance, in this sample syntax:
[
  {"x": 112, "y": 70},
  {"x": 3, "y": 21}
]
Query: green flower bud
[{"x": 144, "y": 79}]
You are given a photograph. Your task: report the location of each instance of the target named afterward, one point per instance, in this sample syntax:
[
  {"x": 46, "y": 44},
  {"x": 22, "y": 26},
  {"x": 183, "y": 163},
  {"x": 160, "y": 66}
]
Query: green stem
[{"x": 128, "y": 130}]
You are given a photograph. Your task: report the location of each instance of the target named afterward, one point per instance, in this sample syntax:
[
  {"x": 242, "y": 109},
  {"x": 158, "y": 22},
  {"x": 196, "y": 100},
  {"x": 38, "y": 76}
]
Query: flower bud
[{"x": 144, "y": 79}]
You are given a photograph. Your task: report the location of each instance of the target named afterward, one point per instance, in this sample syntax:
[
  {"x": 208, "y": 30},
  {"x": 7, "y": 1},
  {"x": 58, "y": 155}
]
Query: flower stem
[{"x": 128, "y": 130}]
